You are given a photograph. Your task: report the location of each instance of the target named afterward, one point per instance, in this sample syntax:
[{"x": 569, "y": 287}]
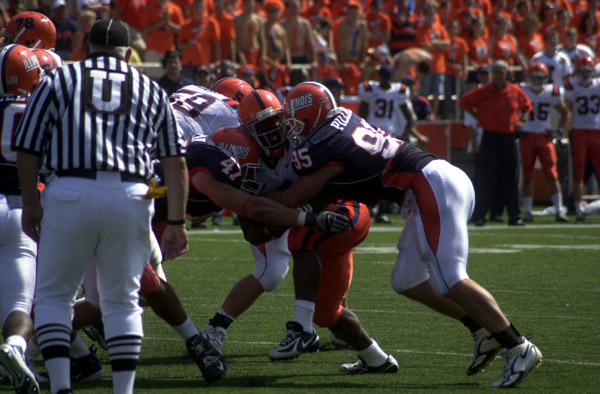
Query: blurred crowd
[{"x": 273, "y": 44}]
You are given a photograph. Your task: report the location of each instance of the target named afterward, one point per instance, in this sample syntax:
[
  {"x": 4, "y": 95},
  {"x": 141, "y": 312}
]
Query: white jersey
[
  {"x": 201, "y": 111},
  {"x": 559, "y": 65},
  {"x": 272, "y": 178},
  {"x": 578, "y": 51},
  {"x": 585, "y": 103},
  {"x": 543, "y": 103},
  {"x": 384, "y": 106}
]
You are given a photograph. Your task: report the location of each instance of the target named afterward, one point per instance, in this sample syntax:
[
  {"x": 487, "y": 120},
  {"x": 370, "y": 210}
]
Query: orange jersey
[
  {"x": 377, "y": 21},
  {"x": 505, "y": 48},
  {"x": 425, "y": 34},
  {"x": 162, "y": 40},
  {"x": 591, "y": 40},
  {"x": 130, "y": 12},
  {"x": 204, "y": 34},
  {"x": 531, "y": 45},
  {"x": 455, "y": 53},
  {"x": 227, "y": 34},
  {"x": 479, "y": 50}
]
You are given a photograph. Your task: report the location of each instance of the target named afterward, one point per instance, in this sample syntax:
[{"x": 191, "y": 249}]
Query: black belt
[{"x": 92, "y": 174}]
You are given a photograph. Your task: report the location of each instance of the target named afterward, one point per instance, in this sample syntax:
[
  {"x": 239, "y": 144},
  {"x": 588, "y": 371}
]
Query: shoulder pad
[
  {"x": 556, "y": 90},
  {"x": 367, "y": 86},
  {"x": 568, "y": 85}
]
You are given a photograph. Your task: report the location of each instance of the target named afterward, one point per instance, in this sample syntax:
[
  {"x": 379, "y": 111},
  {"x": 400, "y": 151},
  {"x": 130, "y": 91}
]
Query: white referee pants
[{"x": 83, "y": 218}]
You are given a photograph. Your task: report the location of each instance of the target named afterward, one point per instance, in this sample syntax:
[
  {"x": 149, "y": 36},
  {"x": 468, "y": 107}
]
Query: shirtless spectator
[
  {"x": 352, "y": 45},
  {"x": 162, "y": 22},
  {"x": 278, "y": 50},
  {"x": 250, "y": 39},
  {"x": 300, "y": 35}
]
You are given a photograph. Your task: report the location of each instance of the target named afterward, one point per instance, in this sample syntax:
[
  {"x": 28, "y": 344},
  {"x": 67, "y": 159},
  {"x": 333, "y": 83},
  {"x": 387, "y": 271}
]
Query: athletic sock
[
  {"x": 373, "y": 355},
  {"x": 527, "y": 203},
  {"x": 58, "y": 370},
  {"x": 187, "y": 329},
  {"x": 123, "y": 381},
  {"x": 509, "y": 337},
  {"x": 470, "y": 323},
  {"x": 557, "y": 201},
  {"x": 17, "y": 341},
  {"x": 221, "y": 319},
  {"x": 303, "y": 314}
]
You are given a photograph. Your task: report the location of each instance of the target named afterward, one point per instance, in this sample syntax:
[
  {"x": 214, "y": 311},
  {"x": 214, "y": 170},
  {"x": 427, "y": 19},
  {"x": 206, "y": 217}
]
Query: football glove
[{"x": 326, "y": 221}]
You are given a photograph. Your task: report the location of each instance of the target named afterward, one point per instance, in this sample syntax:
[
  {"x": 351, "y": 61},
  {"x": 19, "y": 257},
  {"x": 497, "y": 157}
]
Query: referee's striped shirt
[{"x": 99, "y": 114}]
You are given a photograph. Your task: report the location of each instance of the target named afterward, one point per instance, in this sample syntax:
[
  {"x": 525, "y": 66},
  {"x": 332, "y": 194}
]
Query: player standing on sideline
[
  {"x": 537, "y": 138},
  {"x": 337, "y": 152},
  {"x": 583, "y": 97},
  {"x": 93, "y": 203},
  {"x": 20, "y": 74}
]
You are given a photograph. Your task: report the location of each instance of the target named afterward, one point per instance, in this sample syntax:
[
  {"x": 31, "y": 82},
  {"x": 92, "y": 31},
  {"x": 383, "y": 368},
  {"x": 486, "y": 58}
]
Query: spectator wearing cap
[
  {"x": 199, "y": 39},
  {"x": 251, "y": 41},
  {"x": 162, "y": 22},
  {"x": 500, "y": 108},
  {"x": 173, "y": 78},
  {"x": 66, "y": 28},
  {"x": 420, "y": 104},
  {"x": 248, "y": 75},
  {"x": 336, "y": 86},
  {"x": 351, "y": 42},
  {"x": 203, "y": 76},
  {"x": 433, "y": 37},
  {"x": 278, "y": 56}
]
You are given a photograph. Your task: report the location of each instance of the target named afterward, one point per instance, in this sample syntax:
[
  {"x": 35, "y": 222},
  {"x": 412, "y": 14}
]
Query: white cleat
[
  {"x": 16, "y": 370},
  {"x": 485, "y": 350},
  {"x": 518, "y": 362}
]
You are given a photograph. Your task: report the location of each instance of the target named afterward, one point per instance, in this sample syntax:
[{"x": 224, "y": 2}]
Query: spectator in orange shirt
[
  {"x": 300, "y": 35},
  {"x": 187, "y": 8},
  {"x": 588, "y": 33},
  {"x": 547, "y": 16},
  {"x": 338, "y": 9},
  {"x": 504, "y": 45},
  {"x": 457, "y": 59},
  {"x": 563, "y": 20},
  {"x": 523, "y": 9},
  {"x": 580, "y": 7},
  {"x": 199, "y": 39},
  {"x": 446, "y": 13},
  {"x": 162, "y": 21},
  {"x": 467, "y": 14},
  {"x": 530, "y": 41},
  {"x": 479, "y": 52},
  {"x": 318, "y": 11},
  {"x": 227, "y": 30},
  {"x": 278, "y": 56},
  {"x": 379, "y": 25},
  {"x": 433, "y": 37},
  {"x": 250, "y": 37},
  {"x": 404, "y": 28},
  {"x": 352, "y": 46}
]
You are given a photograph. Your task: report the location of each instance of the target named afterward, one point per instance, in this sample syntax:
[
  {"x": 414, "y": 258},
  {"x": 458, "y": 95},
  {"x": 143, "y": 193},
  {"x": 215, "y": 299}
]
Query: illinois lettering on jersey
[
  {"x": 368, "y": 156},
  {"x": 202, "y": 111},
  {"x": 543, "y": 102},
  {"x": 384, "y": 105},
  {"x": 586, "y": 104},
  {"x": 11, "y": 111}
]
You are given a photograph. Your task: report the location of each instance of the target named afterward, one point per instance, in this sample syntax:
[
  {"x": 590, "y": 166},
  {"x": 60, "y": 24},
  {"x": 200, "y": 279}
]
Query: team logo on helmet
[
  {"x": 240, "y": 152},
  {"x": 297, "y": 103}
]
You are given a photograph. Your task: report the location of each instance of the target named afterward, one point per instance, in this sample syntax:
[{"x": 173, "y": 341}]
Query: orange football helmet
[
  {"x": 20, "y": 70},
  {"x": 537, "y": 74},
  {"x": 242, "y": 146},
  {"x": 231, "y": 87},
  {"x": 306, "y": 106},
  {"x": 32, "y": 29},
  {"x": 48, "y": 60},
  {"x": 262, "y": 115},
  {"x": 585, "y": 69}
]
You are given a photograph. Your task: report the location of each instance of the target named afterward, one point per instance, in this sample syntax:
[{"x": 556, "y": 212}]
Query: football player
[
  {"x": 20, "y": 74},
  {"x": 582, "y": 97},
  {"x": 537, "y": 138},
  {"x": 339, "y": 153},
  {"x": 31, "y": 29}
]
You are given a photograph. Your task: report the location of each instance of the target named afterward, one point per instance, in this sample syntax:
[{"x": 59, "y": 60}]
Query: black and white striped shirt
[{"x": 99, "y": 114}]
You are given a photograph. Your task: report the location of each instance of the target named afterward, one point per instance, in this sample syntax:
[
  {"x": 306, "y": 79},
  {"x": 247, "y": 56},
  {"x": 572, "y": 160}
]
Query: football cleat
[
  {"x": 295, "y": 343},
  {"x": 16, "y": 371},
  {"x": 389, "y": 366},
  {"x": 87, "y": 368},
  {"x": 527, "y": 217},
  {"x": 215, "y": 335},
  {"x": 96, "y": 333},
  {"x": 561, "y": 217},
  {"x": 518, "y": 362},
  {"x": 207, "y": 357},
  {"x": 486, "y": 349},
  {"x": 579, "y": 216}
]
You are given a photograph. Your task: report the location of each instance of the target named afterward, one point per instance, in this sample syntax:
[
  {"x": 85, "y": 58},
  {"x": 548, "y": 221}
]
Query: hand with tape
[{"x": 326, "y": 221}]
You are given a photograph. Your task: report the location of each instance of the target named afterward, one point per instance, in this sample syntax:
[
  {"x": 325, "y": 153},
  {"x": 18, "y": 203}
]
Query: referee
[{"x": 92, "y": 129}]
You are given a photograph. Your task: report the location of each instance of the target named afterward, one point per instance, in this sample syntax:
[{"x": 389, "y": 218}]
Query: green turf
[{"x": 545, "y": 277}]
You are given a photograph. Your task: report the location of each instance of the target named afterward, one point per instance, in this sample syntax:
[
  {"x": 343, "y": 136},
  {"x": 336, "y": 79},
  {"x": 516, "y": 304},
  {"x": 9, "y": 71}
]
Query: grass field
[{"x": 546, "y": 278}]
